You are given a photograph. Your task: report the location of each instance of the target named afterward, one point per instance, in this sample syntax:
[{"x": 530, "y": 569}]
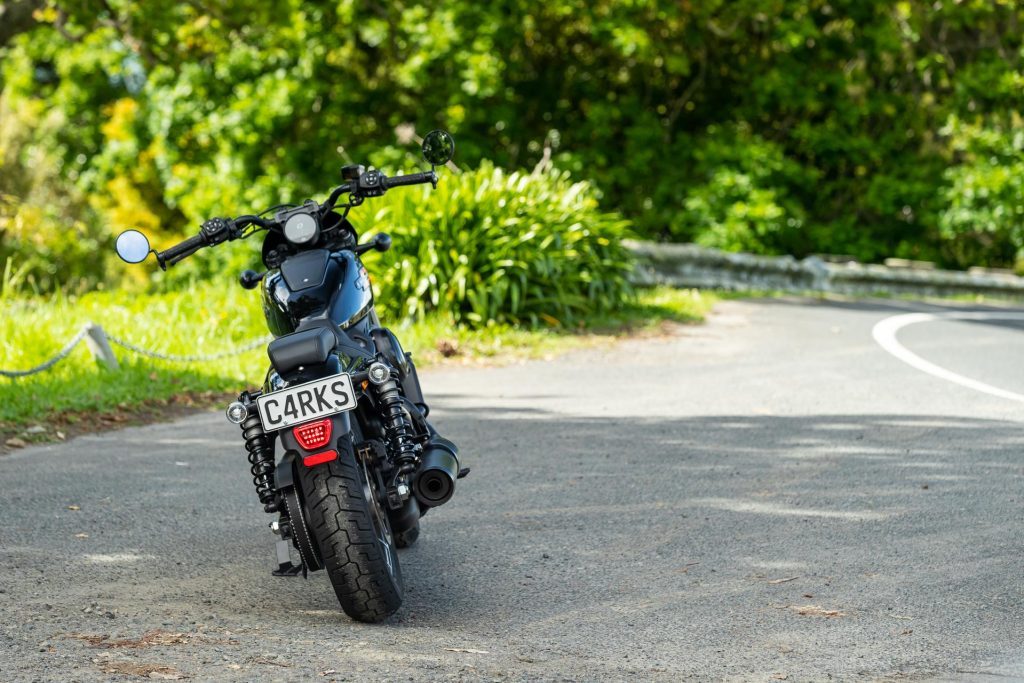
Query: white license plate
[{"x": 306, "y": 402}]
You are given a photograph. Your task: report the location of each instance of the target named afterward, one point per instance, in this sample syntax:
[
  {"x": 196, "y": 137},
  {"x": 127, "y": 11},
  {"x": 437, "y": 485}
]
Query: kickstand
[
  {"x": 463, "y": 472},
  {"x": 284, "y": 562}
]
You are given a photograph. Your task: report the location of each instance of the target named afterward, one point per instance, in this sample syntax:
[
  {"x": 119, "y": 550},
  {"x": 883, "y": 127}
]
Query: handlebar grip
[
  {"x": 181, "y": 250},
  {"x": 411, "y": 179}
]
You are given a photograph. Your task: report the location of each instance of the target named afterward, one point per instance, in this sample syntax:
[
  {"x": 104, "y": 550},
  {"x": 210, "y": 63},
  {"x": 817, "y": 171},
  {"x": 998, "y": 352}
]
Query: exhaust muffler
[{"x": 435, "y": 480}]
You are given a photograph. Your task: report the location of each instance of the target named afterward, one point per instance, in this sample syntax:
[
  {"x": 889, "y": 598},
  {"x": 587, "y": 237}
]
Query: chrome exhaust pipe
[{"x": 435, "y": 480}]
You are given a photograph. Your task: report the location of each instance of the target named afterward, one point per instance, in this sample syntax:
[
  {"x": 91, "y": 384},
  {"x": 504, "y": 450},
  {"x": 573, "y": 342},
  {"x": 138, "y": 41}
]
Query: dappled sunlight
[{"x": 757, "y": 508}]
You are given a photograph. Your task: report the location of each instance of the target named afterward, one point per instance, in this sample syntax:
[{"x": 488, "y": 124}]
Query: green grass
[{"x": 211, "y": 318}]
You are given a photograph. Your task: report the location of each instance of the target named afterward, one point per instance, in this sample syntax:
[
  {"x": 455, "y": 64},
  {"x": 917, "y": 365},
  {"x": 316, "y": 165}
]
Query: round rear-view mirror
[
  {"x": 132, "y": 246},
  {"x": 438, "y": 147}
]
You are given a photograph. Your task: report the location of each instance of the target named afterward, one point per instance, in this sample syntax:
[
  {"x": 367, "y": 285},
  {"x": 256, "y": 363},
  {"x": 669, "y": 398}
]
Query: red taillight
[
  {"x": 313, "y": 435},
  {"x": 319, "y": 458}
]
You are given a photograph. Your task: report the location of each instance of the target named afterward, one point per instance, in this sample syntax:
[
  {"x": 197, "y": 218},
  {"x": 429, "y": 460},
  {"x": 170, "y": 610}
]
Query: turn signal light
[{"x": 313, "y": 435}]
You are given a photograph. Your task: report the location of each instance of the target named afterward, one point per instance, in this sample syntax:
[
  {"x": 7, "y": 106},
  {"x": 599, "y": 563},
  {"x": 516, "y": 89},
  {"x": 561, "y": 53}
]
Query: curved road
[{"x": 772, "y": 496}]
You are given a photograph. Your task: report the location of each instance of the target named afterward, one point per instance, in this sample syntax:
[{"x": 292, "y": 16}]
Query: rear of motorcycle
[
  {"x": 359, "y": 462},
  {"x": 338, "y": 516}
]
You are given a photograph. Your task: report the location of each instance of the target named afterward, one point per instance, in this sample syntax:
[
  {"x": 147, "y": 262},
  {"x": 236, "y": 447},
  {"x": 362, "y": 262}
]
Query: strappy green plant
[{"x": 491, "y": 246}]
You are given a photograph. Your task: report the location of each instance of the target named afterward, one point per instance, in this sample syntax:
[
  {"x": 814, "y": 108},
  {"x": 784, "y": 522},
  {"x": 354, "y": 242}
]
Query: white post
[{"x": 96, "y": 340}]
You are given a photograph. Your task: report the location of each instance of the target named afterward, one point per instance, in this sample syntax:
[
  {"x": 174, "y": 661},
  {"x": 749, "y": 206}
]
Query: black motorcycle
[{"x": 357, "y": 462}]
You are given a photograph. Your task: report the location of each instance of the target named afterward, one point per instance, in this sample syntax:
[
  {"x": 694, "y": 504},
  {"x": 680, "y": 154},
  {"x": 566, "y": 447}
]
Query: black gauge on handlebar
[{"x": 301, "y": 225}]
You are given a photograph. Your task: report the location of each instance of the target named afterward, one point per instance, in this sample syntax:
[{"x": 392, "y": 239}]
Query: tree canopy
[{"x": 779, "y": 126}]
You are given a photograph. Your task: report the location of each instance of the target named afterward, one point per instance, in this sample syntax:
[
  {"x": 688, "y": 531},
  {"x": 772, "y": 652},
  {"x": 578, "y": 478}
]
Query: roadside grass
[{"x": 79, "y": 395}]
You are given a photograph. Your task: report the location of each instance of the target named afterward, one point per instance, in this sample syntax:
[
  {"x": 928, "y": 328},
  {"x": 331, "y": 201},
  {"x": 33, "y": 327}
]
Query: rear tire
[{"x": 354, "y": 536}]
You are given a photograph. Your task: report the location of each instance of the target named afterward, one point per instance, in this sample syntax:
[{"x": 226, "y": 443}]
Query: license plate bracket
[{"x": 305, "y": 402}]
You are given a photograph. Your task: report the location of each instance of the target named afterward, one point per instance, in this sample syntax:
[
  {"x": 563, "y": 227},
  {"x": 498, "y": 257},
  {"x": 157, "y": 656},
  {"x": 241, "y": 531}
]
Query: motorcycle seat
[
  {"x": 311, "y": 344},
  {"x": 307, "y": 347}
]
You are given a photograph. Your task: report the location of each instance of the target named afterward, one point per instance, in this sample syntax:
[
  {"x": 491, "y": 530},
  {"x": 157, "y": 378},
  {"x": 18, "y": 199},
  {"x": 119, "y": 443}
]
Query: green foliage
[
  {"x": 985, "y": 195},
  {"x": 32, "y": 329},
  {"x": 489, "y": 246},
  {"x": 212, "y": 318},
  {"x": 745, "y": 202},
  {"x": 787, "y": 125}
]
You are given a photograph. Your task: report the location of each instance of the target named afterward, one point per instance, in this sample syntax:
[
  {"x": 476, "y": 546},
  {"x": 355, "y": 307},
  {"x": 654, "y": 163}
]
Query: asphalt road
[{"x": 772, "y": 496}]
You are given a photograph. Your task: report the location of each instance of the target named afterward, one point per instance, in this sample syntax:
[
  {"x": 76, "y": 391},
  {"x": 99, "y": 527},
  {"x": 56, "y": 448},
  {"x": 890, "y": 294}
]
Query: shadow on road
[{"x": 567, "y": 521}]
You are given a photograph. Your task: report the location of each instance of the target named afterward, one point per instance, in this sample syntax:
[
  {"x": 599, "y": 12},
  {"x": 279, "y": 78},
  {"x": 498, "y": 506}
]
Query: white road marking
[{"x": 885, "y": 331}]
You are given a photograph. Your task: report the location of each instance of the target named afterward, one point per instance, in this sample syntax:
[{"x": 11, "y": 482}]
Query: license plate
[{"x": 306, "y": 402}]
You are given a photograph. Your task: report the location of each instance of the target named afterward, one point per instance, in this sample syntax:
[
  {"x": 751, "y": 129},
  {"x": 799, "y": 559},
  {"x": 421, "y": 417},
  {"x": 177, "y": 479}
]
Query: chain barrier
[
  {"x": 97, "y": 341},
  {"x": 42, "y": 367},
  {"x": 190, "y": 359}
]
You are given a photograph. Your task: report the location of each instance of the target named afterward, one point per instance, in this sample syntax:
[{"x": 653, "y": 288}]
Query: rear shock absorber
[
  {"x": 261, "y": 458},
  {"x": 404, "y": 450}
]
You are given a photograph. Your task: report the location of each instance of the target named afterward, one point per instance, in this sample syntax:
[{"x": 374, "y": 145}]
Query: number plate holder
[{"x": 305, "y": 402}]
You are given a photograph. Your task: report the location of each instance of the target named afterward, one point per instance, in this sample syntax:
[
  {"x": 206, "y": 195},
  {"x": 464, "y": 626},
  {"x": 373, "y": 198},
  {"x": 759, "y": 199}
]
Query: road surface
[{"x": 771, "y": 496}]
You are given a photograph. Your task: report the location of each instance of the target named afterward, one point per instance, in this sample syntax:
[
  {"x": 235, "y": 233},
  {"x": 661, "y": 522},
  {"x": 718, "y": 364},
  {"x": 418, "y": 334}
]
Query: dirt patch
[
  {"x": 156, "y": 637},
  {"x": 141, "y": 670},
  {"x": 815, "y": 611},
  {"x": 60, "y": 426}
]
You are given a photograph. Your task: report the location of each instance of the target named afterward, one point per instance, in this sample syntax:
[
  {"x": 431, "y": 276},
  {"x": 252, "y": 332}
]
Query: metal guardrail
[
  {"x": 99, "y": 342},
  {"x": 689, "y": 265}
]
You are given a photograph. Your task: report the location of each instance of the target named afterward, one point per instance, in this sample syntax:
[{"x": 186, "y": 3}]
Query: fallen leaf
[
  {"x": 328, "y": 672},
  {"x": 808, "y": 595},
  {"x": 815, "y": 611},
  {"x": 448, "y": 347},
  {"x": 777, "y": 581},
  {"x": 152, "y": 638},
  {"x": 467, "y": 649},
  {"x": 73, "y": 507},
  {"x": 61, "y": 436},
  {"x": 686, "y": 567},
  {"x": 264, "y": 660},
  {"x": 235, "y": 667},
  {"x": 81, "y": 535},
  {"x": 15, "y": 442},
  {"x": 779, "y": 677},
  {"x": 155, "y": 671},
  {"x": 906, "y": 631}
]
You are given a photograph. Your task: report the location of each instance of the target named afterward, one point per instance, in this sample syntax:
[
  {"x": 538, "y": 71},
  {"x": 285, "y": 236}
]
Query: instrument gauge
[{"x": 301, "y": 228}]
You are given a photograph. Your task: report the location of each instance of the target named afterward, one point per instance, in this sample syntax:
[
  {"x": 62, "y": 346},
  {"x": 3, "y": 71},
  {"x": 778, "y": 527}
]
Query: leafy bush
[
  {"x": 488, "y": 245},
  {"x": 744, "y": 202},
  {"x": 984, "y": 215}
]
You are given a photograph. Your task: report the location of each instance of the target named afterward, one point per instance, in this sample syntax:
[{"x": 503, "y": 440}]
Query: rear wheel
[{"x": 353, "y": 535}]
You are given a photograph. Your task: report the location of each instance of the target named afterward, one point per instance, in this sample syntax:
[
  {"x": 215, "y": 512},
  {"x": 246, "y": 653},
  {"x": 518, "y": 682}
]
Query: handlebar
[
  {"x": 172, "y": 255},
  {"x": 411, "y": 179},
  {"x": 218, "y": 230}
]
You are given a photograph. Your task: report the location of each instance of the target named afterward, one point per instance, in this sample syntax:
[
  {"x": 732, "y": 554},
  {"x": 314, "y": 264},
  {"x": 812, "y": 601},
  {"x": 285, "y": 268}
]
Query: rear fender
[{"x": 341, "y": 438}]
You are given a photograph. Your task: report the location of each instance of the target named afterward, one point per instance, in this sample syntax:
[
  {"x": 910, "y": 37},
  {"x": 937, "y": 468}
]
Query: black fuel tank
[{"x": 315, "y": 284}]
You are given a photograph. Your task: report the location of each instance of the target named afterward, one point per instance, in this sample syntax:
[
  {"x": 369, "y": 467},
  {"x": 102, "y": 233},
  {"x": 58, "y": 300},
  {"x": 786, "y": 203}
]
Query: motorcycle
[{"x": 338, "y": 440}]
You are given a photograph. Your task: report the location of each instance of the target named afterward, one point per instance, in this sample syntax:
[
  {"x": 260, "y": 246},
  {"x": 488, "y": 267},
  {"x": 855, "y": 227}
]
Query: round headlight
[{"x": 301, "y": 228}]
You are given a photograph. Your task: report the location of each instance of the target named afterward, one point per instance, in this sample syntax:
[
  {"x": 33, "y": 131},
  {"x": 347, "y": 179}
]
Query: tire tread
[{"x": 340, "y": 519}]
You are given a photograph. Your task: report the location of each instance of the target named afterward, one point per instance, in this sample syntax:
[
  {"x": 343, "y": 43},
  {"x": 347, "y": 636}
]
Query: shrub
[
  {"x": 488, "y": 245},
  {"x": 741, "y": 198},
  {"x": 984, "y": 216}
]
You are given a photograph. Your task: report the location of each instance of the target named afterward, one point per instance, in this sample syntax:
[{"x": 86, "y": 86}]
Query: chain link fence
[{"x": 99, "y": 343}]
